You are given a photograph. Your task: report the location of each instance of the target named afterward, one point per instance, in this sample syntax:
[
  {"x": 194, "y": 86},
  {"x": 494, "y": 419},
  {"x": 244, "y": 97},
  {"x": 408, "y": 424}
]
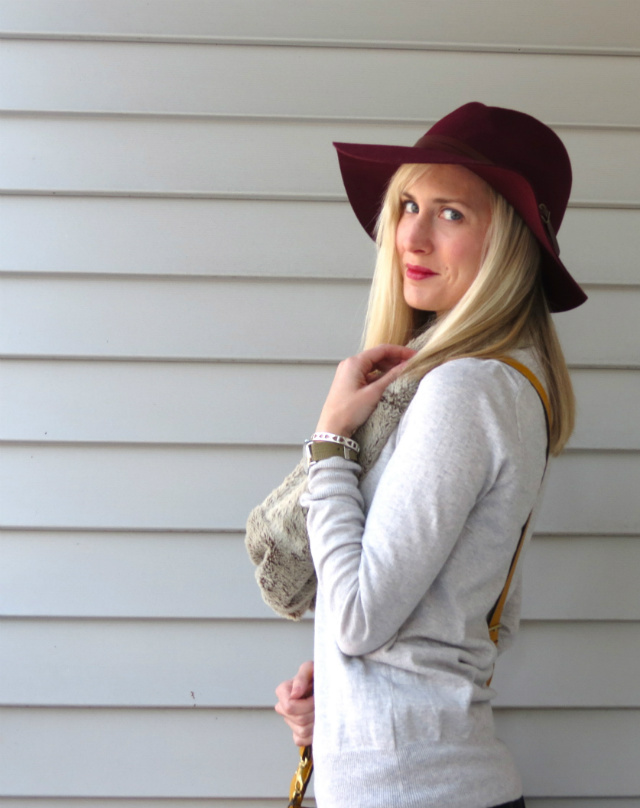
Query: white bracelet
[{"x": 329, "y": 437}]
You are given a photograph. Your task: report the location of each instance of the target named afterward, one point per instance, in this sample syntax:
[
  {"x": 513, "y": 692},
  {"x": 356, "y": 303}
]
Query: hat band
[{"x": 452, "y": 145}]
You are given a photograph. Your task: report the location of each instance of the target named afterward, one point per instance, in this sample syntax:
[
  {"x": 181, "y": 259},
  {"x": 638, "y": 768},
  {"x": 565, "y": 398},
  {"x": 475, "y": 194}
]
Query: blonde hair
[{"x": 505, "y": 307}]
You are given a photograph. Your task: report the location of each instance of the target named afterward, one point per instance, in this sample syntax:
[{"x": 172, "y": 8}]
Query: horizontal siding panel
[
  {"x": 592, "y": 493},
  {"x": 78, "y": 802},
  {"x": 143, "y": 753},
  {"x": 608, "y": 404},
  {"x": 128, "y": 575},
  {"x": 200, "y": 319},
  {"x": 492, "y": 24},
  {"x": 140, "y": 575},
  {"x": 564, "y": 665},
  {"x": 587, "y": 256},
  {"x": 183, "y": 237},
  {"x": 195, "y": 402},
  {"x": 59, "y": 154},
  {"x": 192, "y": 318},
  {"x": 193, "y": 753},
  {"x": 183, "y": 664},
  {"x": 319, "y": 82},
  {"x": 588, "y": 333},
  {"x": 583, "y": 802},
  {"x": 161, "y": 402},
  {"x": 98, "y": 663},
  {"x": 66, "y": 802},
  {"x": 589, "y": 754},
  {"x": 139, "y": 488},
  {"x": 44, "y": 802},
  {"x": 194, "y": 237},
  {"x": 199, "y": 488},
  {"x": 582, "y": 578},
  {"x": 75, "y": 802}
]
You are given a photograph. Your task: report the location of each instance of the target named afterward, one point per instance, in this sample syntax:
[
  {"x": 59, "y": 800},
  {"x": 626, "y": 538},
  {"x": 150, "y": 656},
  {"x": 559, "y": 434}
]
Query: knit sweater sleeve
[{"x": 451, "y": 448}]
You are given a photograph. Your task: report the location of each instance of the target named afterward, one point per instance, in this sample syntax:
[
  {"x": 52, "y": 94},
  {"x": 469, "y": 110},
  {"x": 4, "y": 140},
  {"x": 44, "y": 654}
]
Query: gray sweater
[{"x": 409, "y": 565}]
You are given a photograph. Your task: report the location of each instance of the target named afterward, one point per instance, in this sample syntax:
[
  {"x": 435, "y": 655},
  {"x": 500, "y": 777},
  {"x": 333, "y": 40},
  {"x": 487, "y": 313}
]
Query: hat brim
[{"x": 366, "y": 170}]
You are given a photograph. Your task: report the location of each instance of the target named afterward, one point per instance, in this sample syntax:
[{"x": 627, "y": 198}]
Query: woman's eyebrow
[
  {"x": 439, "y": 200},
  {"x": 449, "y": 201}
]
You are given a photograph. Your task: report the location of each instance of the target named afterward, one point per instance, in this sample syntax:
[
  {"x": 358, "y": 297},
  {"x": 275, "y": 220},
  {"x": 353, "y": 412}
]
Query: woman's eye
[
  {"x": 409, "y": 206},
  {"x": 452, "y": 215}
]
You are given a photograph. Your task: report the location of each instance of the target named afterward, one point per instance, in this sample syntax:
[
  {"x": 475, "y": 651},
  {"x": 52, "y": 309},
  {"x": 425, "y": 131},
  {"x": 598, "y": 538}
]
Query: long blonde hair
[{"x": 505, "y": 308}]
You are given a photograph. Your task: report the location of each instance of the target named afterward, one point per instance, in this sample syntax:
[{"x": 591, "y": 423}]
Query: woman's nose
[{"x": 418, "y": 237}]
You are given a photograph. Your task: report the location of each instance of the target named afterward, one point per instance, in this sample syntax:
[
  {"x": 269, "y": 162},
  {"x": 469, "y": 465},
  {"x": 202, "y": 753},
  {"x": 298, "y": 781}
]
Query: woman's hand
[
  {"x": 358, "y": 385},
  {"x": 296, "y": 704}
]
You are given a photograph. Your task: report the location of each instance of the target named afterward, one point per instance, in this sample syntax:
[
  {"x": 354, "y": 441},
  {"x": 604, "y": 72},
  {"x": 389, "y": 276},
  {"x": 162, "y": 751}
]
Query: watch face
[{"x": 307, "y": 457}]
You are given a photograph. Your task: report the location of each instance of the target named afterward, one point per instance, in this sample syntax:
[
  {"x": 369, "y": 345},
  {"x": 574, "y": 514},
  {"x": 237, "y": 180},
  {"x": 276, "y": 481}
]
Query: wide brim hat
[{"x": 516, "y": 154}]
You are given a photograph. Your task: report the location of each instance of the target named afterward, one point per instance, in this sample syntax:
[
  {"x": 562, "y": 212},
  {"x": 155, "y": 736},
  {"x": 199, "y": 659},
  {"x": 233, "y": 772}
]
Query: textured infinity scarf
[{"x": 277, "y": 538}]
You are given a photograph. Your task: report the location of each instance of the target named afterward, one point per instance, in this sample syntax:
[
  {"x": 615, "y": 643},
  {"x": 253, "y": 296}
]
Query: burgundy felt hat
[{"x": 516, "y": 154}]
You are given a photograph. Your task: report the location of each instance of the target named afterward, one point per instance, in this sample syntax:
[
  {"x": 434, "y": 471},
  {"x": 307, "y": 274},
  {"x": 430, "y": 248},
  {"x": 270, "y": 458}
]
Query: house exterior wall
[{"x": 167, "y": 183}]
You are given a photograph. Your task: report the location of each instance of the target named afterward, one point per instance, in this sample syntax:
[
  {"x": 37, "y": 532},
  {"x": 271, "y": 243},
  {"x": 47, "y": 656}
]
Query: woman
[{"x": 412, "y": 555}]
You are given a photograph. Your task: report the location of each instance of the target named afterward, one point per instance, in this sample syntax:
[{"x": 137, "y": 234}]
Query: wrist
[{"x": 334, "y": 427}]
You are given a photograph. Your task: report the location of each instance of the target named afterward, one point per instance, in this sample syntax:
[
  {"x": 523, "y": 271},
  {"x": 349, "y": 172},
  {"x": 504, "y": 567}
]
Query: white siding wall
[{"x": 167, "y": 183}]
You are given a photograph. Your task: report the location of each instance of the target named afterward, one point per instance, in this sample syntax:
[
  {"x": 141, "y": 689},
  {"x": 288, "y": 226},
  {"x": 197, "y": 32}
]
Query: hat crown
[{"x": 516, "y": 141}]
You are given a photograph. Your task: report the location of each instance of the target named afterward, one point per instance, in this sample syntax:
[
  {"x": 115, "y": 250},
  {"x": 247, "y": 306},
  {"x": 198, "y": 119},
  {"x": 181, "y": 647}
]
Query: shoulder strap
[
  {"x": 530, "y": 376},
  {"x": 496, "y": 613}
]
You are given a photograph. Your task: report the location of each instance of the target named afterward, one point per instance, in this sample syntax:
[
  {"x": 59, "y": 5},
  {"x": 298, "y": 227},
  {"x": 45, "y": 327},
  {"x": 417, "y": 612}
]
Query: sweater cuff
[{"x": 333, "y": 477}]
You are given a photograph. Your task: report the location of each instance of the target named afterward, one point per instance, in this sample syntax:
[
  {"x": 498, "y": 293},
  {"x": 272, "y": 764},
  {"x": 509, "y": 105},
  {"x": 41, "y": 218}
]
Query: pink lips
[{"x": 417, "y": 273}]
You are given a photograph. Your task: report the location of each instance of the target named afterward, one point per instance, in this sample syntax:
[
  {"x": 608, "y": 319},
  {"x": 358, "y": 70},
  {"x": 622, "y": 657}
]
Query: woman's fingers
[
  {"x": 303, "y": 681},
  {"x": 358, "y": 385},
  {"x": 385, "y": 357},
  {"x": 390, "y": 365},
  {"x": 302, "y": 731},
  {"x": 377, "y": 361},
  {"x": 296, "y": 704},
  {"x": 299, "y": 715}
]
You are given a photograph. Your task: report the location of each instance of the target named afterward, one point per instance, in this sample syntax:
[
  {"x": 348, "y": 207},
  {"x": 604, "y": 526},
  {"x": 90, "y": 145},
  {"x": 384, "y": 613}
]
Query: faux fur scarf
[{"x": 277, "y": 539}]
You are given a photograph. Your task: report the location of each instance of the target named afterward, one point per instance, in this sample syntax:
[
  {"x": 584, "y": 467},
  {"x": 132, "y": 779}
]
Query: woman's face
[{"x": 440, "y": 236}]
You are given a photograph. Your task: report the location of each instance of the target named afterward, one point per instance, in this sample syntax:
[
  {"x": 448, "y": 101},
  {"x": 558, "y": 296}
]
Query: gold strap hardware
[{"x": 301, "y": 778}]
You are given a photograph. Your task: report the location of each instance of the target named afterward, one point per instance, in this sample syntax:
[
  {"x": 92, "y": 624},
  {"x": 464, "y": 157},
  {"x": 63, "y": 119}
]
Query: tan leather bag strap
[
  {"x": 496, "y": 615},
  {"x": 530, "y": 376}
]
